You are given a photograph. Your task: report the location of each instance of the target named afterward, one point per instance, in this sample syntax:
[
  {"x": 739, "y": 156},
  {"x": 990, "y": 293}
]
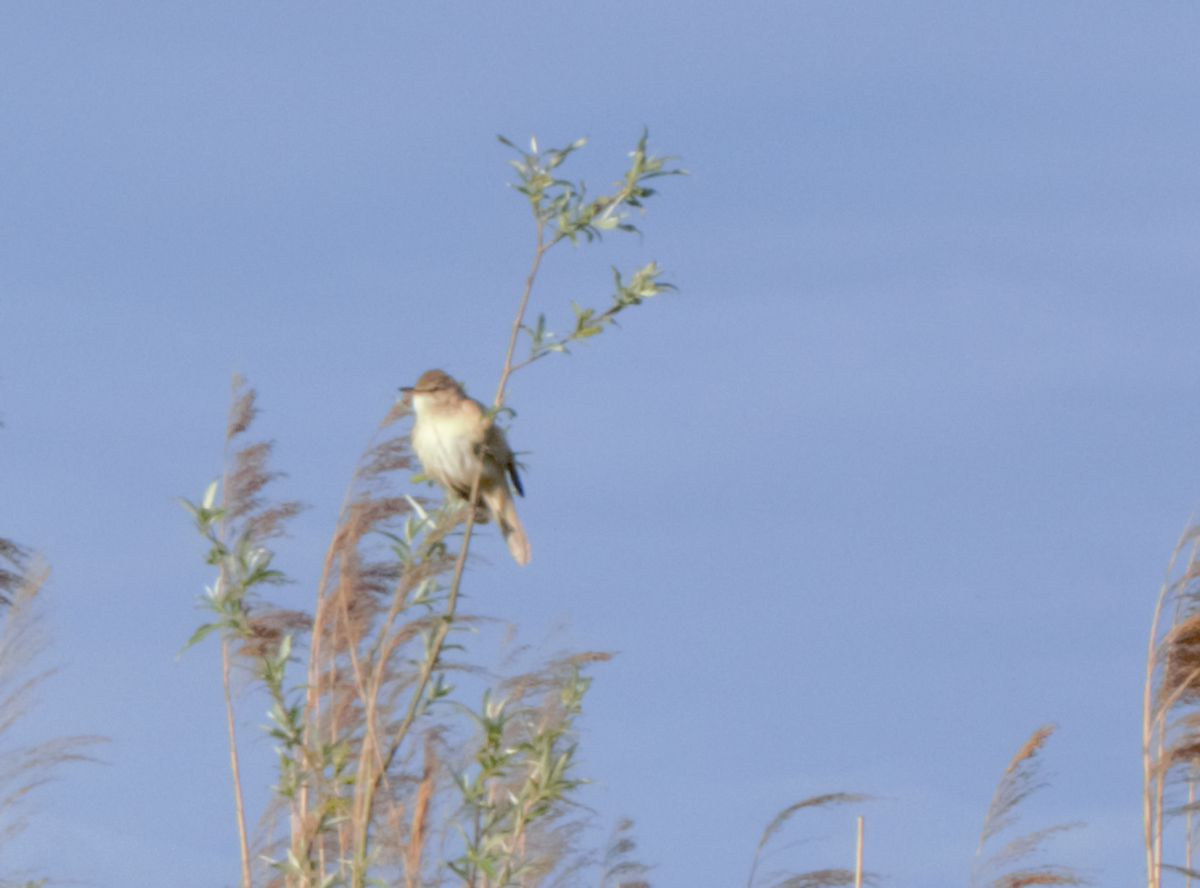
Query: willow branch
[{"x": 542, "y": 247}]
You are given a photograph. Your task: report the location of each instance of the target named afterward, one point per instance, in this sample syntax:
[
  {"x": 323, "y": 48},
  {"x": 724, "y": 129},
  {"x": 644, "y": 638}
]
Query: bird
[{"x": 453, "y": 437}]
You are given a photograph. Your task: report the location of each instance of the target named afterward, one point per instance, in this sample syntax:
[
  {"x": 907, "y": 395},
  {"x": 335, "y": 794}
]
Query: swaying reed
[
  {"x": 1171, "y": 717},
  {"x": 1019, "y": 781},
  {"x": 23, "y": 768},
  {"x": 12, "y": 576},
  {"x": 822, "y": 878}
]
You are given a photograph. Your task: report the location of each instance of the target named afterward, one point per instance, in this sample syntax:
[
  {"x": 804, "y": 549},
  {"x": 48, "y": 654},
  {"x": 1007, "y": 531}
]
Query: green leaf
[
  {"x": 192, "y": 509},
  {"x": 210, "y": 494},
  {"x": 199, "y": 635}
]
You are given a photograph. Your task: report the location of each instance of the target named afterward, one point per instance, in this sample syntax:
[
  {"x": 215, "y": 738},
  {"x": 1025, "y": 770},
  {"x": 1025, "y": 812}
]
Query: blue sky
[{"x": 890, "y": 482}]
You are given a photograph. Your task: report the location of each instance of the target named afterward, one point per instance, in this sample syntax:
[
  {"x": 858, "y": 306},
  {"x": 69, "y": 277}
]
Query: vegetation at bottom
[
  {"x": 23, "y": 638},
  {"x": 400, "y": 759}
]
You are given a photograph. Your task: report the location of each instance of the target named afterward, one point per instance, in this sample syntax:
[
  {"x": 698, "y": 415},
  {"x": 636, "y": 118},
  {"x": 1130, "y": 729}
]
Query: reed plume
[{"x": 1019, "y": 781}]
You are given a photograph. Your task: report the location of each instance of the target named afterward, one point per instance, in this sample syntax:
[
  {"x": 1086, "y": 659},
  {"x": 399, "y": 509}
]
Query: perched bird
[{"x": 453, "y": 437}]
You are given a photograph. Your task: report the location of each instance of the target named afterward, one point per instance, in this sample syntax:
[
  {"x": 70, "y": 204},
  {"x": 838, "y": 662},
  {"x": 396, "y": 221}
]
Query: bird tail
[{"x": 500, "y": 504}]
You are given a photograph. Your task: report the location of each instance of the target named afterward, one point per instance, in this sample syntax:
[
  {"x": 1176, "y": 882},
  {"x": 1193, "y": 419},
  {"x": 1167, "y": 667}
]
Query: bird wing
[{"x": 497, "y": 448}]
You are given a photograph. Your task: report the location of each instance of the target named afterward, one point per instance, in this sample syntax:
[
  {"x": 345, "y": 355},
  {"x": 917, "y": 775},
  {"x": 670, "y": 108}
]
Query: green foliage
[
  {"x": 588, "y": 323},
  {"x": 242, "y": 568},
  {"x": 562, "y": 212},
  {"x": 562, "y": 205},
  {"x": 523, "y": 771}
]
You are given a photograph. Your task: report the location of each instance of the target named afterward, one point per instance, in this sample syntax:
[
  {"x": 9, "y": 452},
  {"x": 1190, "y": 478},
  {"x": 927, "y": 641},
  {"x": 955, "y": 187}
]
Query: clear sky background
[{"x": 891, "y": 482}]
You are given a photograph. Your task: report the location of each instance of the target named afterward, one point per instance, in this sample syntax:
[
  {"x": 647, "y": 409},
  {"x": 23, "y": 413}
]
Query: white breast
[{"x": 444, "y": 444}]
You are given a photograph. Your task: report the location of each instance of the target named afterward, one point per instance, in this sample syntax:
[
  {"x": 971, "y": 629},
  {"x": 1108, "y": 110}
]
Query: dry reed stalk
[
  {"x": 419, "y": 831},
  {"x": 237, "y": 493},
  {"x": 365, "y": 789},
  {"x": 344, "y": 613},
  {"x": 1171, "y": 746},
  {"x": 322, "y": 661}
]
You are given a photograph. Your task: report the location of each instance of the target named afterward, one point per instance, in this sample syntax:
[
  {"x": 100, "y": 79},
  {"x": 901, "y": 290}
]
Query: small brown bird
[{"x": 452, "y": 437}]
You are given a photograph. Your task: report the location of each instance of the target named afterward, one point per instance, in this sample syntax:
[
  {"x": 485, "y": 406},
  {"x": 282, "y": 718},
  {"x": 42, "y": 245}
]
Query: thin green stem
[{"x": 542, "y": 247}]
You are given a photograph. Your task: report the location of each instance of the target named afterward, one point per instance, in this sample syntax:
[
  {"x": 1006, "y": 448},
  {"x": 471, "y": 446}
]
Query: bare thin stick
[
  {"x": 858, "y": 855},
  {"x": 233, "y": 766},
  {"x": 1149, "y": 826}
]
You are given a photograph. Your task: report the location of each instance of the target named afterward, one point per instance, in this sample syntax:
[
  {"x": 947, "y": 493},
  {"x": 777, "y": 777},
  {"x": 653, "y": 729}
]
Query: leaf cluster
[
  {"x": 242, "y": 567},
  {"x": 562, "y": 204},
  {"x": 523, "y": 771},
  {"x": 562, "y": 212},
  {"x": 642, "y": 285}
]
